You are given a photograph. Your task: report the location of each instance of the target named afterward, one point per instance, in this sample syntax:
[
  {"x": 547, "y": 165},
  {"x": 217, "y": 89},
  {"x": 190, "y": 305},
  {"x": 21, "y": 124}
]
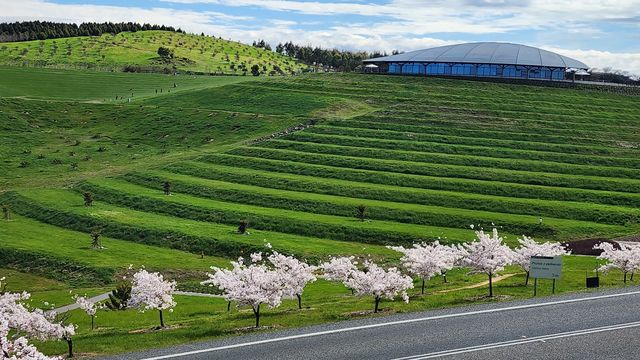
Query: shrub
[
  {"x": 119, "y": 296},
  {"x": 361, "y": 212},
  {"x": 88, "y": 198},
  {"x": 242, "y": 227}
]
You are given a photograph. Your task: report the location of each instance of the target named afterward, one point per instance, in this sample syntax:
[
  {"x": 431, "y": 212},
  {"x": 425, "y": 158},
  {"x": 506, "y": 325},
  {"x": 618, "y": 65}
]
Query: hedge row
[
  {"x": 257, "y": 221},
  {"x": 581, "y": 211},
  {"x": 482, "y": 122},
  {"x": 409, "y": 145},
  {"x": 593, "y": 150},
  {"x": 499, "y": 133},
  {"x": 55, "y": 267},
  {"x": 462, "y": 160},
  {"x": 444, "y": 171},
  {"x": 161, "y": 238},
  {"x": 451, "y": 218}
]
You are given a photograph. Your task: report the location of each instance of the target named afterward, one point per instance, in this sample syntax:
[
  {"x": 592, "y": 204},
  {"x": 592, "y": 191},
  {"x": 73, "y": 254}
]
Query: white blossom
[
  {"x": 529, "y": 247},
  {"x": 339, "y": 269},
  {"x": 149, "y": 291},
  {"x": 428, "y": 260},
  {"x": 487, "y": 255},
  {"x": 379, "y": 283},
  {"x": 294, "y": 275},
  {"x": 251, "y": 285},
  {"x": 86, "y": 305},
  {"x": 626, "y": 259}
]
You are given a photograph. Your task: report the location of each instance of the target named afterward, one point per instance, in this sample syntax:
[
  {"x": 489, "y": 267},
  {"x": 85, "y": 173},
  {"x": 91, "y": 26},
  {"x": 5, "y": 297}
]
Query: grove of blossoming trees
[{"x": 626, "y": 259}]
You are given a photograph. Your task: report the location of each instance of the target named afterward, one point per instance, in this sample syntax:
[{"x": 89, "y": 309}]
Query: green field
[
  {"x": 428, "y": 158},
  {"x": 109, "y": 52}
]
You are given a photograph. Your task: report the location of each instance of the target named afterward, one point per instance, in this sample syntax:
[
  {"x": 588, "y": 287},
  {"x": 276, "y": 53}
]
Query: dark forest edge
[{"x": 43, "y": 30}]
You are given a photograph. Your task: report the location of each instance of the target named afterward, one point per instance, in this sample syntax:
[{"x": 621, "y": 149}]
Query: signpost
[{"x": 545, "y": 267}]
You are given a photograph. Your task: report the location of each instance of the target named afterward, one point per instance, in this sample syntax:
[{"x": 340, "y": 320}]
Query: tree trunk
[
  {"x": 625, "y": 277},
  {"x": 351, "y": 291},
  {"x": 377, "y": 302},
  {"x": 526, "y": 281},
  {"x": 161, "y": 320},
  {"x": 70, "y": 347},
  {"x": 422, "y": 286},
  {"x": 490, "y": 285},
  {"x": 256, "y": 311},
  {"x": 299, "y": 301},
  {"x": 92, "y": 321},
  {"x": 444, "y": 277},
  {"x": 229, "y": 306},
  {"x": 631, "y": 276}
]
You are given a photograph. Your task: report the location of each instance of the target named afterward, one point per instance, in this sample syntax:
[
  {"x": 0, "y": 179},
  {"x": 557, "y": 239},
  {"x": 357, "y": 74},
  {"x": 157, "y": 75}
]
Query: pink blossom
[
  {"x": 380, "y": 283},
  {"x": 626, "y": 259}
]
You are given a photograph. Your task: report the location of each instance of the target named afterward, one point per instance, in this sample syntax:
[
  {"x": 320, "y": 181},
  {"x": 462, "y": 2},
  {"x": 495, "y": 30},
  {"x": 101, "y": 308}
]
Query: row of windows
[{"x": 511, "y": 71}]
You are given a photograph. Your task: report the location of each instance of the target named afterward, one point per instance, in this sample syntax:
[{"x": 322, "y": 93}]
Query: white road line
[
  {"x": 520, "y": 341},
  {"x": 390, "y": 323}
]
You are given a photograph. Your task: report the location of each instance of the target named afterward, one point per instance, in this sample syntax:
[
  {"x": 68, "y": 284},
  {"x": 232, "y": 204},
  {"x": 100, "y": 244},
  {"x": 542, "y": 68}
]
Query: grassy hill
[
  {"x": 427, "y": 157},
  {"x": 138, "y": 50}
]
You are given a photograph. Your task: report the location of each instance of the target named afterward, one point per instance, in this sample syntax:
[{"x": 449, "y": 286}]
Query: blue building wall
[{"x": 489, "y": 70}]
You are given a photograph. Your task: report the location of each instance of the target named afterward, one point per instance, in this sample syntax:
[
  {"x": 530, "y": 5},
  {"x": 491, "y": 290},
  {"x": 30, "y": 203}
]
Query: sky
[{"x": 601, "y": 33}]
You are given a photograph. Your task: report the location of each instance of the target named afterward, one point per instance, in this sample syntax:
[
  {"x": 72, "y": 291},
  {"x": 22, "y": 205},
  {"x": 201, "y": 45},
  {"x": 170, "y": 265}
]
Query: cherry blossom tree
[
  {"x": 294, "y": 274},
  {"x": 88, "y": 307},
  {"x": 428, "y": 260},
  {"x": 339, "y": 269},
  {"x": 627, "y": 258},
  {"x": 380, "y": 283},
  {"x": 529, "y": 247},
  {"x": 18, "y": 324},
  {"x": 487, "y": 255},
  {"x": 249, "y": 285},
  {"x": 149, "y": 291}
]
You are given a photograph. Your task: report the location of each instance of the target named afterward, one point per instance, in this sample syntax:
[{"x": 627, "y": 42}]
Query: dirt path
[{"x": 484, "y": 283}]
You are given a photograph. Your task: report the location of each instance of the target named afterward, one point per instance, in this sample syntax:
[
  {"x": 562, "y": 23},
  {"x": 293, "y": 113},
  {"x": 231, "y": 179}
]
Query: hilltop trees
[
  {"x": 42, "y": 30},
  {"x": 379, "y": 283},
  {"x": 487, "y": 255},
  {"x": 627, "y": 258},
  {"x": 529, "y": 247},
  {"x": 149, "y": 291},
  {"x": 428, "y": 260}
]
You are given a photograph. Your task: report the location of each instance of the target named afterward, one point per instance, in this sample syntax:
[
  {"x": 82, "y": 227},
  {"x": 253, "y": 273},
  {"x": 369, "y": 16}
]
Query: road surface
[{"x": 595, "y": 325}]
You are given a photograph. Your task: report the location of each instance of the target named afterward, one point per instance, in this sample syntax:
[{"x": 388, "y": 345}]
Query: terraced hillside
[
  {"x": 295, "y": 158},
  {"x": 206, "y": 54}
]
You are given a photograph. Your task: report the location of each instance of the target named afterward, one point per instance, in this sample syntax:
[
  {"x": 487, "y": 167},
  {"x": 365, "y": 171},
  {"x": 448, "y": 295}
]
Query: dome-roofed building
[{"x": 482, "y": 59}]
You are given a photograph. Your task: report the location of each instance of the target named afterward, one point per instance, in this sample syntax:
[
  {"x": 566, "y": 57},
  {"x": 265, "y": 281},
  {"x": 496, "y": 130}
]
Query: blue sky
[{"x": 602, "y": 33}]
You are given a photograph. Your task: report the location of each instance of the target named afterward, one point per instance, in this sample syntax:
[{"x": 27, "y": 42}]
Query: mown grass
[
  {"x": 457, "y": 200},
  {"x": 84, "y": 85}
]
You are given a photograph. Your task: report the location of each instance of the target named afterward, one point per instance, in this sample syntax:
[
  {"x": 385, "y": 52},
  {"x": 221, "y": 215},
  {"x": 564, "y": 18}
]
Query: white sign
[{"x": 545, "y": 267}]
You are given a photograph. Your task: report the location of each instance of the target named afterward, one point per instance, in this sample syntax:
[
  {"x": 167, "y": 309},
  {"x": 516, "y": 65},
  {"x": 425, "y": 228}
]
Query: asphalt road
[{"x": 600, "y": 325}]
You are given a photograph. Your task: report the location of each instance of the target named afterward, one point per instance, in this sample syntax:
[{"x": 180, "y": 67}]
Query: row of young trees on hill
[
  {"x": 42, "y": 30},
  {"x": 339, "y": 60}
]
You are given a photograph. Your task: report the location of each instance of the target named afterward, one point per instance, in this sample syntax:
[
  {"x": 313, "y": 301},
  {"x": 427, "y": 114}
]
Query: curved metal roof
[{"x": 486, "y": 53}]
